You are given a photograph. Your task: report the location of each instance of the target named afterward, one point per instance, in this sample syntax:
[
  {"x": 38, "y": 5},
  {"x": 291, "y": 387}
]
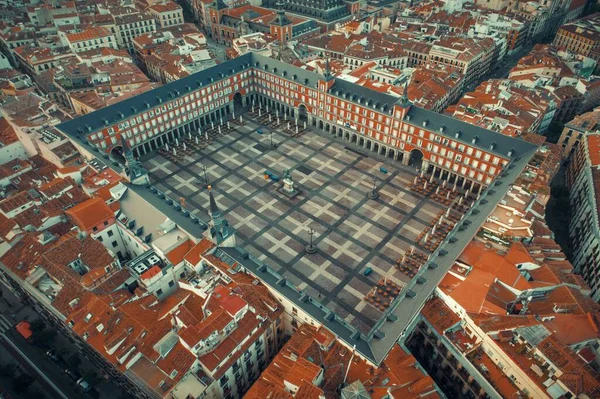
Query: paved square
[{"x": 352, "y": 232}]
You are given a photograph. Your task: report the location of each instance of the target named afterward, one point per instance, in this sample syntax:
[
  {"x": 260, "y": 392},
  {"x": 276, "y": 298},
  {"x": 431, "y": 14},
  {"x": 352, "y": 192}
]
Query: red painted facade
[{"x": 360, "y": 122}]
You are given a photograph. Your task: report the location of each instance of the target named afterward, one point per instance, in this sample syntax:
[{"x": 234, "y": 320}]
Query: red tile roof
[
  {"x": 153, "y": 271},
  {"x": 576, "y": 375},
  {"x": 176, "y": 255},
  {"x": 92, "y": 32},
  {"x": 232, "y": 303},
  {"x": 90, "y": 213}
]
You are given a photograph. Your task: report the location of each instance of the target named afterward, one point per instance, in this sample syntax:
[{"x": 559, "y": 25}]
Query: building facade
[
  {"x": 583, "y": 177},
  {"x": 377, "y": 122}
]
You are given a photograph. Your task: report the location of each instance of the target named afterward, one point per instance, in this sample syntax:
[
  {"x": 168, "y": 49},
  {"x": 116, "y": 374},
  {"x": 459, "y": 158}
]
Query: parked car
[
  {"x": 52, "y": 355},
  {"x": 72, "y": 375},
  {"x": 84, "y": 385}
]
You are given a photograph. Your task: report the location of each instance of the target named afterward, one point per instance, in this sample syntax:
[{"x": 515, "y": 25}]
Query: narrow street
[
  {"x": 49, "y": 376},
  {"x": 218, "y": 50}
]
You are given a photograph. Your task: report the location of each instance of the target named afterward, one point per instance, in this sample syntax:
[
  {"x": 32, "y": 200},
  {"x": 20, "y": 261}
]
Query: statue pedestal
[{"x": 288, "y": 189}]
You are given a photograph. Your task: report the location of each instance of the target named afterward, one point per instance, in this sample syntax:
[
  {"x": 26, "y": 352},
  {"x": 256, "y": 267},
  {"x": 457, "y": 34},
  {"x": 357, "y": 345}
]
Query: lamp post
[{"x": 310, "y": 248}]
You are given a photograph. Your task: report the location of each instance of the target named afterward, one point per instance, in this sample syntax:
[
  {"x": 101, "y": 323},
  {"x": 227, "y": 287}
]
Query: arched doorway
[
  {"x": 376, "y": 148},
  {"x": 321, "y": 125},
  {"x": 354, "y": 138},
  {"x": 238, "y": 103},
  {"x": 416, "y": 158},
  {"x": 392, "y": 154},
  {"x": 117, "y": 154},
  {"x": 361, "y": 142},
  {"x": 302, "y": 113}
]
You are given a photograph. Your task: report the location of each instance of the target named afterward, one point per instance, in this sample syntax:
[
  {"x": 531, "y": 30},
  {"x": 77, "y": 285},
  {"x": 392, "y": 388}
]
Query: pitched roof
[{"x": 90, "y": 213}]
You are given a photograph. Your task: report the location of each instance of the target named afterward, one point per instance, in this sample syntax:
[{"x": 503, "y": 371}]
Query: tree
[
  {"x": 22, "y": 383},
  {"x": 36, "y": 393},
  {"x": 73, "y": 361},
  {"x": 43, "y": 337},
  {"x": 37, "y": 325},
  {"x": 8, "y": 370},
  {"x": 92, "y": 377}
]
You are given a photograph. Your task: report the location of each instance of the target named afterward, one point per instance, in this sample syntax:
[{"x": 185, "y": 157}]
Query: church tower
[
  {"x": 136, "y": 173},
  {"x": 220, "y": 232}
]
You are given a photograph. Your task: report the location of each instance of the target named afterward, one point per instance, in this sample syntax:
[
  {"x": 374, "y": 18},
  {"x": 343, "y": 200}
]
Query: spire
[
  {"x": 126, "y": 149},
  {"x": 327, "y": 68},
  {"x": 281, "y": 19},
  {"x": 404, "y": 99},
  {"x": 220, "y": 232},
  {"x": 137, "y": 174},
  {"x": 214, "y": 209}
]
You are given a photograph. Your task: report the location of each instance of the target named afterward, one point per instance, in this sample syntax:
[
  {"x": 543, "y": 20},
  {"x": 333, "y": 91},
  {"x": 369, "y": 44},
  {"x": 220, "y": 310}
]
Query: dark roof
[
  {"x": 281, "y": 19},
  {"x": 484, "y": 138},
  {"x": 356, "y": 92},
  {"x": 78, "y": 128},
  {"x": 304, "y": 27},
  {"x": 218, "y": 4},
  {"x": 133, "y": 106},
  {"x": 325, "y": 10},
  {"x": 230, "y": 21}
]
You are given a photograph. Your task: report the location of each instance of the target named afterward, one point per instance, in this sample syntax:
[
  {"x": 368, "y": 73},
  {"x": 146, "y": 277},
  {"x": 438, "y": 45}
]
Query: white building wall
[{"x": 498, "y": 356}]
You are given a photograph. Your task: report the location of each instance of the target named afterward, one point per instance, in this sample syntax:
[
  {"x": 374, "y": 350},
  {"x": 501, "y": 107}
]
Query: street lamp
[{"x": 310, "y": 248}]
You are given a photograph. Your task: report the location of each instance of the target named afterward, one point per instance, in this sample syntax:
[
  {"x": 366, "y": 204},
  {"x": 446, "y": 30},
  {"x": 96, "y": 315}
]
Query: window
[
  {"x": 114, "y": 244},
  {"x": 110, "y": 233},
  {"x": 159, "y": 292},
  {"x": 171, "y": 283},
  {"x": 95, "y": 229}
]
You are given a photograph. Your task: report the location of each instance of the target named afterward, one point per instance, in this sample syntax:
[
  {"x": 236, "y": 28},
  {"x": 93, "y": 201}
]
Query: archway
[
  {"x": 238, "y": 103},
  {"x": 117, "y": 154},
  {"x": 392, "y": 154},
  {"x": 302, "y": 113},
  {"x": 376, "y": 148},
  {"x": 369, "y": 145},
  {"x": 416, "y": 158},
  {"x": 321, "y": 125},
  {"x": 327, "y": 127},
  {"x": 354, "y": 138},
  {"x": 361, "y": 141}
]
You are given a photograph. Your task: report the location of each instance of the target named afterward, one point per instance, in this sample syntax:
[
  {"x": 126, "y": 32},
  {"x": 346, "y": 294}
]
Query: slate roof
[
  {"x": 94, "y": 121},
  {"x": 378, "y": 101},
  {"x": 484, "y": 137}
]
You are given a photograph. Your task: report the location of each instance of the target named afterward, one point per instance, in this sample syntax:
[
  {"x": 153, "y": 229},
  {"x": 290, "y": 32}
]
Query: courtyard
[{"x": 352, "y": 232}]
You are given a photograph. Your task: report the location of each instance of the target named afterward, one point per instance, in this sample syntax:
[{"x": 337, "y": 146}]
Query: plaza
[{"x": 352, "y": 232}]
